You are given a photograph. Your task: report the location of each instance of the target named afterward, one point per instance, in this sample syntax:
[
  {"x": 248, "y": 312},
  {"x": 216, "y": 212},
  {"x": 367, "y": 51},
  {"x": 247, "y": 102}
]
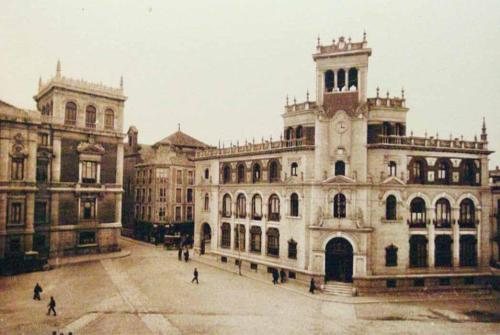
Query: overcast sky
[{"x": 222, "y": 69}]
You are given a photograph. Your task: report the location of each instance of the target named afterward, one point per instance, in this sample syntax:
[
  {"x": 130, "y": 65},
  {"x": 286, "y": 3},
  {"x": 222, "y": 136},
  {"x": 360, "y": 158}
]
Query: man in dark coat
[
  {"x": 36, "y": 292},
  {"x": 179, "y": 253},
  {"x": 282, "y": 276},
  {"x": 275, "y": 277},
  {"x": 186, "y": 254},
  {"x": 52, "y": 306},
  {"x": 195, "y": 278},
  {"x": 312, "y": 286}
]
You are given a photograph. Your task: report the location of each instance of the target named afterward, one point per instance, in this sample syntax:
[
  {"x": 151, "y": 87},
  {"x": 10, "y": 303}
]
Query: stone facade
[
  {"x": 67, "y": 201},
  {"x": 346, "y": 194},
  {"x": 159, "y": 184}
]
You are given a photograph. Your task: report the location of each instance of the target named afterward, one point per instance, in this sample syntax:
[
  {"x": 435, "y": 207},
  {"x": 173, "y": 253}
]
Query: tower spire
[
  {"x": 58, "y": 69},
  {"x": 39, "y": 83},
  {"x": 121, "y": 82},
  {"x": 484, "y": 135}
]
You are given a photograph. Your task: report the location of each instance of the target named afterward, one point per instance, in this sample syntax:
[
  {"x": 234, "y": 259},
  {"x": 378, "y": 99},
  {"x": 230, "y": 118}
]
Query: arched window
[
  {"x": 468, "y": 250},
  {"x": 273, "y": 242},
  {"x": 329, "y": 81},
  {"x": 241, "y": 173},
  {"x": 339, "y": 168},
  {"x": 294, "y": 205},
  {"x": 417, "y": 212},
  {"x": 418, "y": 251},
  {"x": 226, "y": 206},
  {"x": 90, "y": 116},
  {"x": 255, "y": 239},
  {"x": 292, "y": 249},
  {"x": 392, "y": 169},
  {"x": 443, "y": 213},
  {"x": 70, "y": 114},
  {"x": 207, "y": 173},
  {"x": 418, "y": 168},
  {"x": 391, "y": 256},
  {"x": 256, "y": 173},
  {"x": 241, "y": 206},
  {"x": 353, "y": 78},
  {"x": 239, "y": 237},
  {"x": 467, "y": 214},
  {"x": 273, "y": 172},
  {"x": 257, "y": 207},
  {"x": 293, "y": 169},
  {"x": 109, "y": 119},
  {"x": 299, "y": 132},
  {"x": 207, "y": 202},
  {"x": 443, "y": 173},
  {"x": 341, "y": 80},
  {"x": 226, "y": 174},
  {"x": 339, "y": 206},
  {"x": 442, "y": 250},
  {"x": 390, "y": 207},
  {"x": 274, "y": 208},
  {"x": 225, "y": 241},
  {"x": 289, "y": 134},
  {"x": 468, "y": 172}
]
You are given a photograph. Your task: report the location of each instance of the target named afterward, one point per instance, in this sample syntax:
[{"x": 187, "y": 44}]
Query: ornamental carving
[{"x": 90, "y": 148}]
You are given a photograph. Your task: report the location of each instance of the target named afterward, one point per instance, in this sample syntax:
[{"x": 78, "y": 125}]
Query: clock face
[{"x": 341, "y": 127}]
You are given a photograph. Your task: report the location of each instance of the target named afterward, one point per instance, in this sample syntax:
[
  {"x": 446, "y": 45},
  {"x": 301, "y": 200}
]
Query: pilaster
[
  {"x": 29, "y": 221},
  {"x": 56, "y": 161}
]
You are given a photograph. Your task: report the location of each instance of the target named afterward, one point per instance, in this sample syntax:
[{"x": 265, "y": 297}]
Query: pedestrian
[
  {"x": 275, "y": 277},
  {"x": 282, "y": 276},
  {"x": 186, "y": 255},
  {"x": 52, "y": 306},
  {"x": 312, "y": 286},
  {"x": 36, "y": 292},
  {"x": 195, "y": 278},
  {"x": 179, "y": 253}
]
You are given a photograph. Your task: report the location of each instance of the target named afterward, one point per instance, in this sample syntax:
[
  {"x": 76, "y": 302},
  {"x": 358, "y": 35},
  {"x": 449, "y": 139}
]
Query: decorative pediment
[
  {"x": 339, "y": 180},
  {"x": 90, "y": 148},
  {"x": 393, "y": 180}
]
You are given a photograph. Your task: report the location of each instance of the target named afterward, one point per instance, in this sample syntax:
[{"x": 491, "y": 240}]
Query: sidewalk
[
  {"x": 304, "y": 289},
  {"x": 70, "y": 260}
]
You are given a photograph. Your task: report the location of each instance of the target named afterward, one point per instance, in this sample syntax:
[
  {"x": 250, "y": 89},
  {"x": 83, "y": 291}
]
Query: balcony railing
[
  {"x": 430, "y": 142},
  {"x": 274, "y": 216},
  {"x": 442, "y": 223},
  {"x": 90, "y": 125},
  {"x": 468, "y": 223},
  {"x": 417, "y": 223}
]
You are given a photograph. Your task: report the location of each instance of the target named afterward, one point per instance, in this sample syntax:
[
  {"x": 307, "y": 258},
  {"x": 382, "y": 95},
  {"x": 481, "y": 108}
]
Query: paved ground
[{"x": 150, "y": 292}]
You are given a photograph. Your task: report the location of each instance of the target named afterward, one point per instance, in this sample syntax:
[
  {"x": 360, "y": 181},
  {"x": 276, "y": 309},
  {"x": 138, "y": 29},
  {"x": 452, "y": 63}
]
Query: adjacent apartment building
[
  {"x": 348, "y": 195},
  {"x": 61, "y": 170},
  {"x": 159, "y": 184}
]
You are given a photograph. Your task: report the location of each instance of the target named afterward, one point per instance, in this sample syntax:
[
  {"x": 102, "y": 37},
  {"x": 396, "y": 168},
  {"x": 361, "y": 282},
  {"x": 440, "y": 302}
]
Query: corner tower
[{"x": 341, "y": 74}]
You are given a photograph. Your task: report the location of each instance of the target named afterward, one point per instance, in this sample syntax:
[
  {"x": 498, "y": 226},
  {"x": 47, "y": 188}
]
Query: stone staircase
[{"x": 338, "y": 288}]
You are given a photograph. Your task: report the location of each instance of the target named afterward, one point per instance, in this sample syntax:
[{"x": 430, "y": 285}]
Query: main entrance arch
[
  {"x": 205, "y": 238},
  {"x": 338, "y": 260}
]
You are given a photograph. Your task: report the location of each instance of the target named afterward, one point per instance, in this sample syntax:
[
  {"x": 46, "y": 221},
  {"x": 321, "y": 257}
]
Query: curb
[{"x": 64, "y": 261}]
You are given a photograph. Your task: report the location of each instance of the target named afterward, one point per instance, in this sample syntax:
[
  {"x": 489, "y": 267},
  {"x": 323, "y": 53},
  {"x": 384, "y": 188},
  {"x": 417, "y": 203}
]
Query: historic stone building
[
  {"x": 159, "y": 183},
  {"x": 61, "y": 170},
  {"x": 347, "y": 195},
  {"x": 495, "y": 215}
]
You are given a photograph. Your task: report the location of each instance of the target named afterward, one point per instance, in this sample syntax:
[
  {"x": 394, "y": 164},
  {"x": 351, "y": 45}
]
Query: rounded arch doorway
[
  {"x": 339, "y": 260},
  {"x": 205, "y": 238}
]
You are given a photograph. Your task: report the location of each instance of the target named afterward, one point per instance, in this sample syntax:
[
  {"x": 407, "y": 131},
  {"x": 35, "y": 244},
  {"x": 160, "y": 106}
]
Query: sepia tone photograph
[{"x": 249, "y": 167}]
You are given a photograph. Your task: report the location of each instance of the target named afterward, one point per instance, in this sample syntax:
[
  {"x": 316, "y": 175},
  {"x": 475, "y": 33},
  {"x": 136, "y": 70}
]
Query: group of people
[
  {"x": 185, "y": 253},
  {"x": 52, "y": 303},
  {"x": 281, "y": 276}
]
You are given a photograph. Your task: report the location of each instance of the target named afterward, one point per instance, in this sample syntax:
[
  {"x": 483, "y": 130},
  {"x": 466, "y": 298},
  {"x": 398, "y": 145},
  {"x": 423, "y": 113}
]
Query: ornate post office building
[
  {"x": 347, "y": 194},
  {"x": 61, "y": 170}
]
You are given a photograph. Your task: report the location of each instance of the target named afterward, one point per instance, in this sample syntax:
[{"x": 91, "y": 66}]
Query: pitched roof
[{"x": 181, "y": 139}]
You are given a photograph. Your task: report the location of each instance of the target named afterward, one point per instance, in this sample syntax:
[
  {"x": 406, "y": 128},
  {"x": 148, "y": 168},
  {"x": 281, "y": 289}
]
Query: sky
[{"x": 222, "y": 68}]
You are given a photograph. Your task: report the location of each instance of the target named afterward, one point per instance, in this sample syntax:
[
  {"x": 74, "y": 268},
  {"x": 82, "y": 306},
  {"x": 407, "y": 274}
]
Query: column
[
  {"x": 3, "y": 222},
  {"x": 247, "y": 237},
  {"x": 347, "y": 79},
  {"x": 29, "y": 222},
  {"x": 358, "y": 79},
  {"x": 31, "y": 161},
  {"x": 98, "y": 179},
  {"x": 118, "y": 208},
  {"x": 119, "y": 164},
  {"x": 431, "y": 238},
  {"x": 478, "y": 239},
  {"x": 335, "y": 80},
  {"x": 456, "y": 238},
  {"x": 56, "y": 161}
]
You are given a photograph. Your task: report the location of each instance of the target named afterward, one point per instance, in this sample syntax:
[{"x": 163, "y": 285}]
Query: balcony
[
  {"x": 428, "y": 142},
  {"x": 90, "y": 125},
  {"x": 442, "y": 223},
  {"x": 274, "y": 217},
  {"x": 468, "y": 223},
  {"x": 420, "y": 223}
]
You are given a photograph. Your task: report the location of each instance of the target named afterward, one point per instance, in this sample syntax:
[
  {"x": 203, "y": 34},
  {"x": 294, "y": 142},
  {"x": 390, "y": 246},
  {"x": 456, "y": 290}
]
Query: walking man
[
  {"x": 195, "y": 278},
  {"x": 52, "y": 306},
  {"x": 312, "y": 286},
  {"x": 186, "y": 254},
  {"x": 36, "y": 292},
  {"x": 179, "y": 253},
  {"x": 282, "y": 276},
  {"x": 275, "y": 277}
]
